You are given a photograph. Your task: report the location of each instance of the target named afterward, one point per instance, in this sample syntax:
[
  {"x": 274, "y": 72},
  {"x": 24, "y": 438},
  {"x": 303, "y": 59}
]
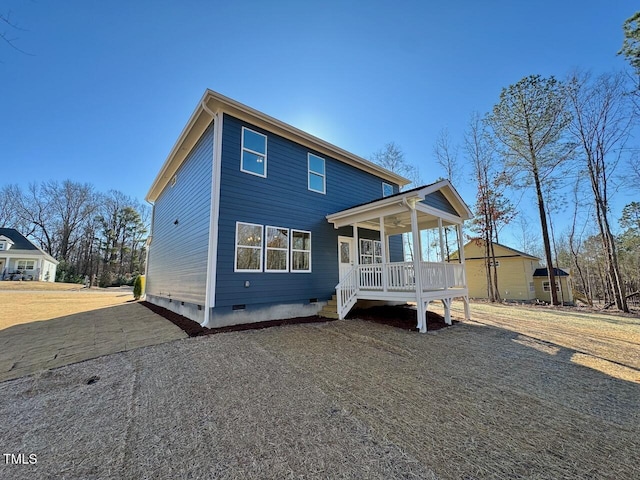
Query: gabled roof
[
  {"x": 396, "y": 206},
  {"x": 22, "y": 244},
  {"x": 543, "y": 272},
  {"x": 515, "y": 252},
  {"x": 213, "y": 102}
]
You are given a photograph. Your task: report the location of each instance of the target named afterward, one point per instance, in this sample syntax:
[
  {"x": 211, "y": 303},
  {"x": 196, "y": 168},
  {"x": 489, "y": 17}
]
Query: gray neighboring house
[{"x": 20, "y": 259}]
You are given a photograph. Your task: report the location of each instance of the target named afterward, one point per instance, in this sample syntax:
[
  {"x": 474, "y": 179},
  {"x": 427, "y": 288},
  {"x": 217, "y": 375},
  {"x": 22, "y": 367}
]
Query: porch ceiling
[{"x": 398, "y": 222}]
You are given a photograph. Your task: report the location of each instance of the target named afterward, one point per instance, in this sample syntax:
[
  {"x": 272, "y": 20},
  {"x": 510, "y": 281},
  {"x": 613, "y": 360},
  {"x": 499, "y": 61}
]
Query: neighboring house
[
  {"x": 564, "y": 285},
  {"x": 515, "y": 271},
  {"x": 22, "y": 260},
  {"x": 255, "y": 220},
  {"x": 520, "y": 277}
]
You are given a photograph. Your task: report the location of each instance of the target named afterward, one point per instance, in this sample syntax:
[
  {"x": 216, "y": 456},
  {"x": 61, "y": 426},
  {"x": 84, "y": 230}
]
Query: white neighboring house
[{"x": 22, "y": 260}]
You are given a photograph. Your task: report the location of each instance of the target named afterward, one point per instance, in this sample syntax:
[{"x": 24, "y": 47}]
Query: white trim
[
  {"x": 267, "y": 248},
  {"x": 261, "y": 249},
  {"x": 300, "y": 250},
  {"x": 385, "y": 184},
  {"x": 260, "y": 154},
  {"x": 312, "y": 172},
  {"x": 214, "y": 214},
  {"x": 453, "y": 219}
]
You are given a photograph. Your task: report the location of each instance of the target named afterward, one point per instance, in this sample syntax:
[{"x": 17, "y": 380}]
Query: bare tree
[
  {"x": 602, "y": 120},
  {"x": 10, "y": 26},
  {"x": 530, "y": 120},
  {"x": 72, "y": 204},
  {"x": 392, "y": 158},
  {"x": 446, "y": 154},
  {"x": 493, "y": 209}
]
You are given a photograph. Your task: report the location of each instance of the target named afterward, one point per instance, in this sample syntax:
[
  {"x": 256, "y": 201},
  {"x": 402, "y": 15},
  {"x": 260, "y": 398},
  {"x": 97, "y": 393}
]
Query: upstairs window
[
  {"x": 387, "y": 190},
  {"x": 277, "y": 250},
  {"x": 300, "y": 251},
  {"x": 316, "y": 173},
  {"x": 254, "y": 153},
  {"x": 248, "y": 247},
  {"x": 2, "y": 244}
]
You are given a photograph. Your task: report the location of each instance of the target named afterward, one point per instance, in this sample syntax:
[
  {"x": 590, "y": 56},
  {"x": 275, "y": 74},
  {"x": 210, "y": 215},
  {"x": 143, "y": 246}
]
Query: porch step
[{"x": 330, "y": 310}]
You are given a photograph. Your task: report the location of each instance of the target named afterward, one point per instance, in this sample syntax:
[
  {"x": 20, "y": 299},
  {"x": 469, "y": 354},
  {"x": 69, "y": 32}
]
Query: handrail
[{"x": 347, "y": 292}]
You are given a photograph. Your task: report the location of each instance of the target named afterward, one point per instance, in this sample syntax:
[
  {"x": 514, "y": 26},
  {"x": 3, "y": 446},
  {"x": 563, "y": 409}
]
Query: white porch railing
[
  {"x": 396, "y": 277},
  {"x": 347, "y": 292}
]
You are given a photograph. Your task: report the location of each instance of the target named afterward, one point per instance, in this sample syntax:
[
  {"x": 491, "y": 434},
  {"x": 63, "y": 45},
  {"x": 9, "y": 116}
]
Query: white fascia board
[
  {"x": 193, "y": 130},
  {"x": 373, "y": 210},
  {"x": 452, "y": 195},
  {"x": 438, "y": 213}
]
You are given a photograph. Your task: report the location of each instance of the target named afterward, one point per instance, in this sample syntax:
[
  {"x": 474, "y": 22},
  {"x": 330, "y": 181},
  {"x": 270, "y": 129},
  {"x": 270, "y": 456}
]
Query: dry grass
[
  {"x": 36, "y": 306},
  {"x": 346, "y": 399},
  {"x": 604, "y": 341},
  {"x": 21, "y": 304},
  {"x": 39, "y": 286}
]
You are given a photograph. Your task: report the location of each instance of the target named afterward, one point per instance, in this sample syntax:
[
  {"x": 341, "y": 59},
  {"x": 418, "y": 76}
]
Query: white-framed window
[
  {"x": 25, "y": 265},
  {"x": 254, "y": 153},
  {"x": 2, "y": 244},
  {"x": 546, "y": 286},
  {"x": 387, "y": 189},
  {"x": 370, "y": 251},
  {"x": 248, "y": 247},
  {"x": 532, "y": 287},
  {"x": 316, "y": 173},
  {"x": 494, "y": 263},
  {"x": 300, "y": 251},
  {"x": 277, "y": 250}
]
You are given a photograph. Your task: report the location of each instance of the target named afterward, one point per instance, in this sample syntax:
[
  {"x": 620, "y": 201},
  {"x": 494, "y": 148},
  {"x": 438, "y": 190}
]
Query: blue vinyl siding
[
  {"x": 178, "y": 252},
  {"x": 439, "y": 201},
  {"x": 283, "y": 199}
]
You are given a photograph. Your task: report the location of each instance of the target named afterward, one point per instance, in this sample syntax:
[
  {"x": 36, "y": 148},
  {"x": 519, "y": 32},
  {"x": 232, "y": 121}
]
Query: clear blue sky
[{"x": 108, "y": 85}]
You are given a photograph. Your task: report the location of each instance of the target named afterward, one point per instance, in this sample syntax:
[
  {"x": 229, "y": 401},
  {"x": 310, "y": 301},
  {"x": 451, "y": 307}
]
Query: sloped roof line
[
  {"x": 22, "y": 243},
  {"x": 524, "y": 254}
]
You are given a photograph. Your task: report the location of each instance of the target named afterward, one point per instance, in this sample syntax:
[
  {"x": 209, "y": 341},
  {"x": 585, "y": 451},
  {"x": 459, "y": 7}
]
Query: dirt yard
[{"x": 514, "y": 394}]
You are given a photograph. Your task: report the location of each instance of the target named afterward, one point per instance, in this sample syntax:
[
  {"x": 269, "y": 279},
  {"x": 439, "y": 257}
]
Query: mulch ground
[
  {"x": 399, "y": 316},
  {"x": 404, "y": 317}
]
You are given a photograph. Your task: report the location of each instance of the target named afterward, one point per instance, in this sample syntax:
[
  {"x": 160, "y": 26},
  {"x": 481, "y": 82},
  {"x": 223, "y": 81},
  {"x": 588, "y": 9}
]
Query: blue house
[{"x": 256, "y": 220}]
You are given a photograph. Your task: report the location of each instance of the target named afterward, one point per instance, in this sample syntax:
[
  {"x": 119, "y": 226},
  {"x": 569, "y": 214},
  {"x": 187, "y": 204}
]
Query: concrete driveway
[{"x": 29, "y": 345}]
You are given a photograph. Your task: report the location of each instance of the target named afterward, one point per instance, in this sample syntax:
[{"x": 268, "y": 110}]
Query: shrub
[{"x": 137, "y": 287}]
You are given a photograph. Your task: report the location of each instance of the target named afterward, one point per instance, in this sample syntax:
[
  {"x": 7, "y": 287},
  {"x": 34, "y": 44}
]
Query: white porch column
[
  {"x": 356, "y": 246},
  {"x": 442, "y": 251},
  {"x": 385, "y": 260},
  {"x": 465, "y": 299},
  {"x": 417, "y": 260}
]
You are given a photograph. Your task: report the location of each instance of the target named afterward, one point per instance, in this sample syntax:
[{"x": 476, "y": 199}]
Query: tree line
[
  {"x": 92, "y": 234},
  {"x": 564, "y": 143}
]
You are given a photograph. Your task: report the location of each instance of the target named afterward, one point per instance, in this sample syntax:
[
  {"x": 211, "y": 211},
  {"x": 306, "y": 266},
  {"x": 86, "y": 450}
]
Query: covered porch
[{"x": 425, "y": 275}]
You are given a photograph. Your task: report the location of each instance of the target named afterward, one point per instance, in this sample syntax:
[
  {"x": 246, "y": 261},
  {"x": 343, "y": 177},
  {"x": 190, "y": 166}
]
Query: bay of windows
[{"x": 279, "y": 250}]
